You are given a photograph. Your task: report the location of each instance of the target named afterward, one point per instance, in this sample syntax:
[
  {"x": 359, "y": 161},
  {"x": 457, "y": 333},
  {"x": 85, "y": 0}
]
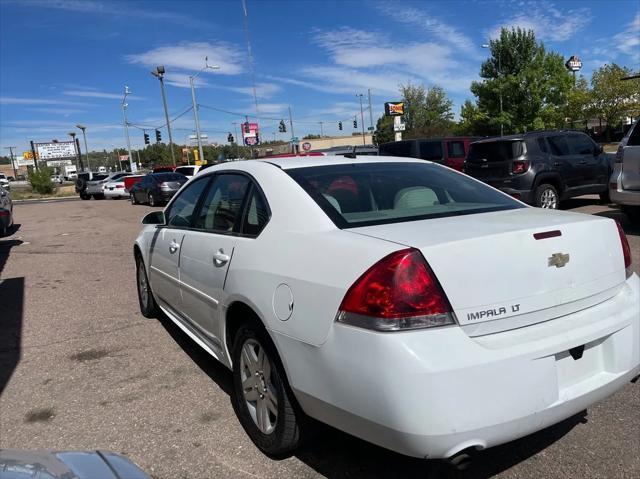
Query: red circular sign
[{"x": 306, "y": 146}]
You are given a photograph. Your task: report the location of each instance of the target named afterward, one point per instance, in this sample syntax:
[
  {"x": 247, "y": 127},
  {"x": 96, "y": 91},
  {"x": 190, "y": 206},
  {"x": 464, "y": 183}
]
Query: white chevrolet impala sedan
[{"x": 395, "y": 299}]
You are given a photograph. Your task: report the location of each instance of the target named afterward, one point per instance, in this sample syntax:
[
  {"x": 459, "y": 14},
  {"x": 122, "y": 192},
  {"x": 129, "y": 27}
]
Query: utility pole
[
  {"x": 293, "y": 147},
  {"x": 364, "y": 141},
  {"x": 321, "y": 129},
  {"x": 35, "y": 158},
  {"x": 86, "y": 148},
  {"x": 159, "y": 74},
  {"x": 195, "y": 106},
  {"x": 13, "y": 160},
  {"x": 126, "y": 126},
  {"x": 370, "y": 109},
  {"x": 235, "y": 127}
]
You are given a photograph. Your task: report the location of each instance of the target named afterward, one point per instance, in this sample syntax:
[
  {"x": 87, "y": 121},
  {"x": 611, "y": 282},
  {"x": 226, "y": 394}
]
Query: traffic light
[
  {"x": 282, "y": 128},
  {"x": 230, "y": 138},
  {"x": 246, "y": 127},
  {"x": 158, "y": 136},
  {"x": 339, "y": 125},
  {"x": 146, "y": 138},
  {"x": 355, "y": 123}
]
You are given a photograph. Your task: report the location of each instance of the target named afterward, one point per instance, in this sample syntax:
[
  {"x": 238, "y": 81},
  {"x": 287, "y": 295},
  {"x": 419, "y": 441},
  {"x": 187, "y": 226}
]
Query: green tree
[
  {"x": 427, "y": 112},
  {"x": 579, "y": 106},
  {"x": 384, "y": 130},
  {"x": 41, "y": 180},
  {"x": 473, "y": 121},
  {"x": 613, "y": 97},
  {"x": 531, "y": 84}
]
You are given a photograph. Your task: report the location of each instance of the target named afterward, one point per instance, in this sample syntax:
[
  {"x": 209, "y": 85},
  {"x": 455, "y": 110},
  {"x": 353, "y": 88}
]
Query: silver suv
[{"x": 624, "y": 185}]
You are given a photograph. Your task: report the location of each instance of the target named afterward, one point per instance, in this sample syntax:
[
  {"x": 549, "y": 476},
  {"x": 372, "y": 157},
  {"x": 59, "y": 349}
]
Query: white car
[
  {"x": 189, "y": 170},
  {"x": 4, "y": 181},
  {"x": 115, "y": 189},
  {"x": 395, "y": 299}
]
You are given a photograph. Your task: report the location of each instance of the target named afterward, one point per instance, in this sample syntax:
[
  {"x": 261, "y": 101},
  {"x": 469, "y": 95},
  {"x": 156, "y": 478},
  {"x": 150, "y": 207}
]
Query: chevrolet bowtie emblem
[{"x": 558, "y": 260}]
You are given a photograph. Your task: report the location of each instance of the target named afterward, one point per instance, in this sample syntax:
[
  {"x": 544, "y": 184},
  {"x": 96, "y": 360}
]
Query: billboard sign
[
  {"x": 394, "y": 108},
  {"x": 26, "y": 160},
  {"x": 252, "y": 136},
  {"x": 573, "y": 63},
  {"x": 52, "y": 151},
  {"x": 58, "y": 163}
]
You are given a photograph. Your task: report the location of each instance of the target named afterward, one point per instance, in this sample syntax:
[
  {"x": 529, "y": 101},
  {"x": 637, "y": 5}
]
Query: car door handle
[
  {"x": 219, "y": 258},
  {"x": 173, "y": 246},
  {"x": 583, "y": 162},
  {"x": 556, "y": 163}
]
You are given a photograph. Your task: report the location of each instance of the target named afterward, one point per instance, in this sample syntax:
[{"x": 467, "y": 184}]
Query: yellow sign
[{"x": 196, "y": 155}]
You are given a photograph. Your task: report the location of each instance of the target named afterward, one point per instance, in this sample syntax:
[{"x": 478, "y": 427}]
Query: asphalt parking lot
[{"x": 80, "y": 368}]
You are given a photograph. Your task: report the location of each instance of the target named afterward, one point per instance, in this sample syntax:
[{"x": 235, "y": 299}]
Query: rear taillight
[
  {"x": 399, "y": 292},
  {"x": 520, "y": 166},
  {"x": 626, "y": 249},
  {"x": 4, "y": 213},
  {"x": 119, "y": 186}
]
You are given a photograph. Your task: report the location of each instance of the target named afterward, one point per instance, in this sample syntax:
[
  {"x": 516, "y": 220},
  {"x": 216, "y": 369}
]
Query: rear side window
[
  {"x": 364, "y": 194},
  {"x": 634, "y": 138},
  {"x": 580, "y": 145},
  {"x": 496, "y": 150},
  {"x": 431, "y": 150},
  {"x": 256, "y": 215},
  {"x": 220, "y": 212},
  {"x": 180, "y": 212},
  {"x": 542, "y": 144},
  {"x": 455, "y": 149},
  {"x": 559, "y": 146}
]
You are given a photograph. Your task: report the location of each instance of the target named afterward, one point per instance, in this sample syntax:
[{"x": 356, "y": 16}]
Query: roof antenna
[{"x": 352, "y": 154}]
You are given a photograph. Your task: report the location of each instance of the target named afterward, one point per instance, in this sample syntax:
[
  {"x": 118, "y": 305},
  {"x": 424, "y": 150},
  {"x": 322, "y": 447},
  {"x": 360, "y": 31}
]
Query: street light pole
[
  {"x": 321, "y": 129},
  {"x": 76, "y": 144},
  {"x": 364, "y": 141},
  {"x": 86, "y": 149},
  {"x": 370, "y": 109},
  {"x": 235, "y": 127},
  {"x": 195, "y": 103},
  {"x": 126, "y": 125},
  {"x": 13, "y": 160},
  {"x": 159, "y": 74}
]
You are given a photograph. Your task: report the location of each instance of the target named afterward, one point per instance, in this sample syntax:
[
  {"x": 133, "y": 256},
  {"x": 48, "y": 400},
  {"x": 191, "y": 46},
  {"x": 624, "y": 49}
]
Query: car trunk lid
[{"x": 509, "y": 269}]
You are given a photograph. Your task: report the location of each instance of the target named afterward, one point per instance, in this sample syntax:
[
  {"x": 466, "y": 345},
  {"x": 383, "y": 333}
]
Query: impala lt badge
[{"x": 558, "y": 260}]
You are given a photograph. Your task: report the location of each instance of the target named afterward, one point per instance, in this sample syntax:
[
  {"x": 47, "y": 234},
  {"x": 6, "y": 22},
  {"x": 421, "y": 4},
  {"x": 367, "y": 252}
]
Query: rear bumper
[
  {"x": 526, "y": 196},
  {"x": 166, "y": 195},
  {"x": 435, "y": 393},
  {"x": 618, "y": 194},
  {"x": 116, "y": 193}
]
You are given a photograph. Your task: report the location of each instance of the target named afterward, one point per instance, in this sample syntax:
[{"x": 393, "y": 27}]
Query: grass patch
[{"x": 28, "y": 194}]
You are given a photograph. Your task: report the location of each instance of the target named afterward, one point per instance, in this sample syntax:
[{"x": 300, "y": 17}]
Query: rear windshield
[
  {"x": 170, "y": 177},
  {"x": 496, "y": 150},
  {"x": 99, "y": 177},
  {"x": 367, "y": 194}
]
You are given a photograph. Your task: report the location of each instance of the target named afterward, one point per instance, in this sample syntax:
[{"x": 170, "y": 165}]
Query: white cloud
[
  {"x": 8, "y": 100},
  {"x": 548, "y": 22},
  {"x": 263, "y": 90},
  {"x": 98, "y": 94},
  {"x": 182, "y": 80},
  {"x": 270, "y": 108},
  {"x": 628, "y": 41},
  {"x": 428, "y": 24},
  {"x": 191, "y": 57}
]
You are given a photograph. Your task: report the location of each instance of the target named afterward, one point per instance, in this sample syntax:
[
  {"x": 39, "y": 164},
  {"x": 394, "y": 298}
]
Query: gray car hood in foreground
[{"x": 16, "y": 464}]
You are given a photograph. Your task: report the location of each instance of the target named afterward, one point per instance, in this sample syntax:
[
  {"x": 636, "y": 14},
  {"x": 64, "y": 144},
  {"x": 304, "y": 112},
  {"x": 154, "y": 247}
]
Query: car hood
[{"x": 18, "y": 464}]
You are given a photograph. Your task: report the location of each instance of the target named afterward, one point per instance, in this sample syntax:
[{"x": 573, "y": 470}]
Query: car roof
[{"x": 315, "y": 161}]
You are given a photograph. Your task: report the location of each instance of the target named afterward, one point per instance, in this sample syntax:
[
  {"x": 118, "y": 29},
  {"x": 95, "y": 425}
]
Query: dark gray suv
[{"x": 541, "y": 168}]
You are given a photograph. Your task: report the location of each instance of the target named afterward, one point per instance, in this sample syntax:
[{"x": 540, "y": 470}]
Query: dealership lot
[{"x": 82, "y": 369}]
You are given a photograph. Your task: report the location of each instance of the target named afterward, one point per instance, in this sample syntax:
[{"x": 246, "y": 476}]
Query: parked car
[
  {"x": 360, "y": 150},
  {"x": 541, "y": 168},
  {"x": 395, "y": 299},
  {"x": 448, "y": 151},
  {"x": 56, "y": 179},
  {"x": 6, "y": 211},
  {"x": 131, "y": 180},
  {"x": 188, "y": 170},
  {"x": 114, "y": 187},
  {"x": 4, "y": 181},
  {"x": 624, "y": 185},
  {"x": 82, "y": 184},
  {"x": 156, "y": 188}
]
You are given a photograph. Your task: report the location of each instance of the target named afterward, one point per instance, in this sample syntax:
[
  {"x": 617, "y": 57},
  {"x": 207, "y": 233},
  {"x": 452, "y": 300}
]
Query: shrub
[{"x": 41, "y": 180}]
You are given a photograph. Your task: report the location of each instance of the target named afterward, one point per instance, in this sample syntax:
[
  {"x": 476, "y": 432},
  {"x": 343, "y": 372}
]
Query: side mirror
[
  {"x": 598, "y": 150},
  {"x": 154, "y": 218}
]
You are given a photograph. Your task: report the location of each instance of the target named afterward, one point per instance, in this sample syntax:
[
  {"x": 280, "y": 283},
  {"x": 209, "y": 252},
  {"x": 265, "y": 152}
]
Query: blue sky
[{"x": 64, "y": 62}]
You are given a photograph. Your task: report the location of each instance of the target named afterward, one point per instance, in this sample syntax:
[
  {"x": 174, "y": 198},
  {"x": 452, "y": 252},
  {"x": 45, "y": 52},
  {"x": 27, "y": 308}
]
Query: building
[{"x": 315, "y": 144}]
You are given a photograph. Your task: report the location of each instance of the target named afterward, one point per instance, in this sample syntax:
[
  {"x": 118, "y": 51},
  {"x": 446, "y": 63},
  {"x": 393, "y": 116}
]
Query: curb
[{"x": 47, "y": 199}]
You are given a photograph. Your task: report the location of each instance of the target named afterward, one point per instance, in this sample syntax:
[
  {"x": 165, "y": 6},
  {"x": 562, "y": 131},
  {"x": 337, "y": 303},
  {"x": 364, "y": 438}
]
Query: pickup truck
[{"x": 90, "y": 184}]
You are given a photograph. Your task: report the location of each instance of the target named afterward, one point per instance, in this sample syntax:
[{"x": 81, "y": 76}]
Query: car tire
[
  {"x": 85, "y": 196},
  {"x": 604, "y": 197},
  {"x": 3, "y": 231},
  {"x": 546, "y": 196},
  {"x": 632, "y": 212},
  {"x": 148, "y": 305},
  {"x": 152, "y": 200},
  {"x": 276, "y": 429},
  {"x": 99, "y": 196},
  {"x": 132, "y": 198}
]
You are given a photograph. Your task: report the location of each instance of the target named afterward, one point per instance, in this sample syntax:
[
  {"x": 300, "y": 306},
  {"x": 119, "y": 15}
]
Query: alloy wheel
[
  {"x": 549, "y": 199},
  {"x": 258, "y": 390}
]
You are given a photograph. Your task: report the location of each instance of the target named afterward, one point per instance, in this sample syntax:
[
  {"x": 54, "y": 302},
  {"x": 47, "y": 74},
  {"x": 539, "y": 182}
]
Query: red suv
[{"x": 450, "y": 151}]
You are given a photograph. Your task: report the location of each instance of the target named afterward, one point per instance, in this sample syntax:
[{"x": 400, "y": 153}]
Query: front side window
[
  {"x": 580, "y": 145},
  {"x": 180, "y": 213},
  {"x": 367, "y": 194},
  {"x": 220, "y": 212}
]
